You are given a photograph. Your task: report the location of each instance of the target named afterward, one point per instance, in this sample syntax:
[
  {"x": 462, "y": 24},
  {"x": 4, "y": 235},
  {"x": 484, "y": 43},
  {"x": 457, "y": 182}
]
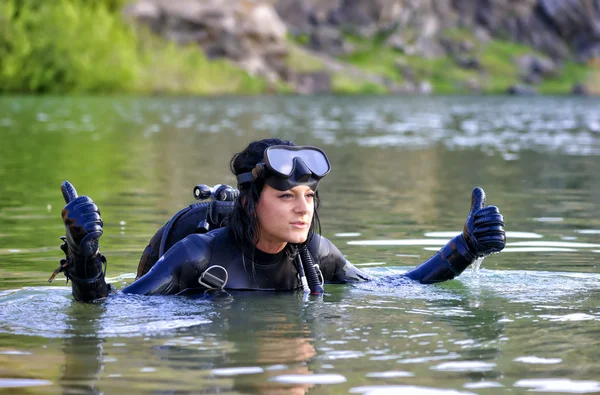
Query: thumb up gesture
[{"x": 484, "y": 229}]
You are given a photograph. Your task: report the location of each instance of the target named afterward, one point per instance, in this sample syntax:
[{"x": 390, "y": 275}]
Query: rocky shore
[{"x": 271, "y": 39}]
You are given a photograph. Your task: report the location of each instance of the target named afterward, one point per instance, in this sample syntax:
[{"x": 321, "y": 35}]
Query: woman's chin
[{"x": 298, "y": 239}]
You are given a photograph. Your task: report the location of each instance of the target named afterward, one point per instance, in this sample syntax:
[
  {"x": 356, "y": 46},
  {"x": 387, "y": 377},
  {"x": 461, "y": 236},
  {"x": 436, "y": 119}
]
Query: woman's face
[{"x": 284, "y": 217}]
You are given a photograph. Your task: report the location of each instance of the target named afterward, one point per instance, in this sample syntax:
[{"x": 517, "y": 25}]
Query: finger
[
  {"x": 86, "y": 207},
  {"x": 95, "y": 232},
  {"x": 477, "y": 199},
  {"x": 68, "y": 191},
  {"x": 487, "y": 211},
  {"x": 494, "y": 219},
  {"x": 489, "y": 230},
  {"x": 493, "y": 240},
  {"x": 90, "y": 217}
]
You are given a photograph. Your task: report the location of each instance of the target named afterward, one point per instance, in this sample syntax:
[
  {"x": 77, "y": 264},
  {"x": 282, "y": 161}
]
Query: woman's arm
[
  {"x": 177, "y": 270},
  {"x": 483, "y": 234}
]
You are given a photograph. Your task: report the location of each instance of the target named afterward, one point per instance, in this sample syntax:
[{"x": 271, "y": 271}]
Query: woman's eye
[
  {"x": 310, "y": 196},
  {"x": 286, "y": 196}
]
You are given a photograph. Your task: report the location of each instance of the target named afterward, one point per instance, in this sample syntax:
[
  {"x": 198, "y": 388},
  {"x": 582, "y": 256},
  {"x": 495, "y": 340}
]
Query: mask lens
[
  {"x": 315, "y": 160},
  {"x": 281, "y": 159}
]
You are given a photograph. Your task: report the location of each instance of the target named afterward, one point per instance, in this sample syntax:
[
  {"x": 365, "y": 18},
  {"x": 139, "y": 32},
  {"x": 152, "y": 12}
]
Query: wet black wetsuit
[
  {"x": 182, "y": 265},
  {"x": 191, "y": 259}
]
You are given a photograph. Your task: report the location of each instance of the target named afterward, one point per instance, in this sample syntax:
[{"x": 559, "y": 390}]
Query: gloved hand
[
  {"x": 82, "y": 222},
  {"x": 484, "y": 229}
]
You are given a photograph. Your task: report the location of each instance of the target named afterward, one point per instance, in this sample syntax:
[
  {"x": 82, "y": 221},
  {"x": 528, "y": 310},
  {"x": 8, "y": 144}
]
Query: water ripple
[{"x": 560, "y": 385}]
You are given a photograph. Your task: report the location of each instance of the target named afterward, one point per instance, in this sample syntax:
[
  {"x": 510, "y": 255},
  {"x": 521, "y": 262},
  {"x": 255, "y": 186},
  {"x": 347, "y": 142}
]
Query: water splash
[{"x": 476, "y": 265}]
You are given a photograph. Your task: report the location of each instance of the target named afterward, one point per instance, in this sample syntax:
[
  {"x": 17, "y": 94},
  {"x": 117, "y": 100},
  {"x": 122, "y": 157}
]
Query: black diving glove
[
  {"x": 83, "y": 225},
  {"x": 84, "y": 263},
  {"x": 483, "y": 234},
  {"x": 484, "y": 230}
]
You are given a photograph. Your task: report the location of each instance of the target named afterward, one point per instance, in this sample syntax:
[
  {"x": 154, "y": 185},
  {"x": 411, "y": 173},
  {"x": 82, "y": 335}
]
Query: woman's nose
[{"x": 302, "y": 206}]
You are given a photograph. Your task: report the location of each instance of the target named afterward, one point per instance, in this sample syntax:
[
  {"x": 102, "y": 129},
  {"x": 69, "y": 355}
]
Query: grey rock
[
  {"x": 396, "y": 42},
  {"x": 313, "y": 82},
  {"x": 533, "y": 69},
  {"x": 296, "y": 14},
  {"x": 521, "y": 90},
  {"x": 407, "y": 72},
  {"x": 329, "y": 40},
  {"x": 425, "y": 87},
  {"x": 580, "y": 90},
  {"x": 592, "y": 51},
  {"x": 251, "y": 34},
  {"x": 468, "y": 62}
]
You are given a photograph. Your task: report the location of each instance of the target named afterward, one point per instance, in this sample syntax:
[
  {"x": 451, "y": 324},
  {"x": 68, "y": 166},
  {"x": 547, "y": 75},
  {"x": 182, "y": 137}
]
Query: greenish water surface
[{"x": 403, "y": 171}]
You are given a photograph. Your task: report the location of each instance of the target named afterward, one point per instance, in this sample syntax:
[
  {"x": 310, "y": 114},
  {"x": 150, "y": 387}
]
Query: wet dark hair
[{"x": 243, "y": 222}]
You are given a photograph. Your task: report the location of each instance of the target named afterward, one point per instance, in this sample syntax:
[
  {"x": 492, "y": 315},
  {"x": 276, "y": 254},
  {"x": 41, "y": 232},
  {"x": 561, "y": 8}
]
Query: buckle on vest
[
  {"x": 215, "y": 280},
  {"x": 319, "y": 273}
]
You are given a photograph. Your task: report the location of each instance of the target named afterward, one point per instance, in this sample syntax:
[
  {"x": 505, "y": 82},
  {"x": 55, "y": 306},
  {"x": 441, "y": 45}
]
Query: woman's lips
[{"x": 299, "y": 224}]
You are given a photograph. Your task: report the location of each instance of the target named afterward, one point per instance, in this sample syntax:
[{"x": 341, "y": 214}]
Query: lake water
[{"x": 403, "y": 171}]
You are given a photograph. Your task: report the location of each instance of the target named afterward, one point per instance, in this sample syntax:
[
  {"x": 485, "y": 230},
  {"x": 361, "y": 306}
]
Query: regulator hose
[{"x": 310, "y": 271}]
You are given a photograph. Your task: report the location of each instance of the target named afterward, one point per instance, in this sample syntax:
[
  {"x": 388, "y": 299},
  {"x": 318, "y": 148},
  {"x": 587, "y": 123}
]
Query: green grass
[
  {"x": 343, "y": 84},
  {"x": 302, "y": 61},
  {"x": 570, "y": 74},
  {"x": 499, "y": 70}
]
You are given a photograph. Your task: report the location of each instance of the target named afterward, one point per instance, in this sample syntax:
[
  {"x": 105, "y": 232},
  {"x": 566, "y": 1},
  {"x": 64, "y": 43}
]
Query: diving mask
[{"x": 285, "y": 167}]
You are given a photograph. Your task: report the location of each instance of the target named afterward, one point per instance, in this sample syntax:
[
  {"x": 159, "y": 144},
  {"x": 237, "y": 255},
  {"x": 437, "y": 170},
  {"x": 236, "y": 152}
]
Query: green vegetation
[
  {"x": 344, "y": 84},
  {"x": 571, "y": 74},
  {"x": 302, "y": 61},
  {"x": 58, "y": 46},
  {"x": 498, "y": 69},
  {"x": 82, "y": 46}
]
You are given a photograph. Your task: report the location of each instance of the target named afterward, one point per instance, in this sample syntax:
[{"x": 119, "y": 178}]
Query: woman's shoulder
[
  {"x": 322, "y": 246},
  {"x": 208, "y": 239}
]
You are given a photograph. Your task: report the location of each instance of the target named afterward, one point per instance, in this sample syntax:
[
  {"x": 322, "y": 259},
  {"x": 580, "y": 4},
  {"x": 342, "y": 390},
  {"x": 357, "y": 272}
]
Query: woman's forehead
[{"x": 296, "y": 189}]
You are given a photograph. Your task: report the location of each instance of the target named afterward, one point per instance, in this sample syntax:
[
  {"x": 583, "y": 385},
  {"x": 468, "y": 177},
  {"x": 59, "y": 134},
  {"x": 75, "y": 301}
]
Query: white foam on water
[
  {"x": 560, "y": 385},
  {"x": 532, "y": 359},
  {"x": 422, "y": 335},
  {"x": 237, "y": 371},
  {"x": 538, "y": 249},
  {"x": 347, "y": 234},
  {"x": 344, "y": 354},
  {"x": 276, "y": 367},
  {"x": 404, "y": 389},
  {"x": 588, "y": 231},
  {"x": 390, "y": 374},
  {"x": 413, "y": 242},
  {"x": 309, "y": 379},
  {"x": 565, "y": 244},
  {"x": 568, "y": 237},
  {"x": 429, "y": 359},
  {"x": 509, "y": 234},
  {"x": 20, "y": 383},
  {"x": 153, "y": 327},
  {"x": 549, "y": 219},
  {"x": 465, "y": 366},
  {"x": 15, "y": 352},
  {"x": 370, "y": 264},
  {"x": 570, "y": 317},
  {"x": 483, "y": 384}
]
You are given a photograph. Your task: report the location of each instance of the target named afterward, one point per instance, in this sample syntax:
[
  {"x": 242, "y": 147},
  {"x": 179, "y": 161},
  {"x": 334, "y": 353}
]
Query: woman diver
[{"x": 270, "y": 240}]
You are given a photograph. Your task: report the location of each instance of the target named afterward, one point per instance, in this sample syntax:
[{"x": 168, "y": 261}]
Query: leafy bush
[{"x": 59, "y": 46}]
